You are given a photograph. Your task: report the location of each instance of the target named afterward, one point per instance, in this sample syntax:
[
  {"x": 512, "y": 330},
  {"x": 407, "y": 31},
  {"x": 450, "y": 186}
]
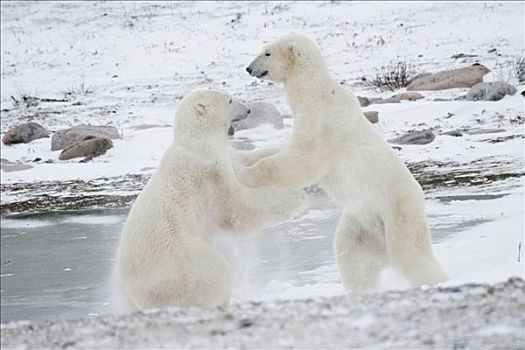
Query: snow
[
  {"x": 469, "y": 317},
  {"x": 140, "y": 58}
]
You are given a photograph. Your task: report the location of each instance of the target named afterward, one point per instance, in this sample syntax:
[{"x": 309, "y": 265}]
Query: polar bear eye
[{"x": 267, "y": 54}]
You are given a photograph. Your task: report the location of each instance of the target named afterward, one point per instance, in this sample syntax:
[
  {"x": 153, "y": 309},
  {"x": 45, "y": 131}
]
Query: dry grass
[
  {"x": 518, "y": 68},
  {"x": 390, "y": 77}
]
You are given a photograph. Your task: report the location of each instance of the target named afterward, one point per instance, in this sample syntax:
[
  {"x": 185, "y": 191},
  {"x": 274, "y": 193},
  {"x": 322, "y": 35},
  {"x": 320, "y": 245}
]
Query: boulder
[
  {"x": 494, "y": 91},
  {"x": 24, "y": 133},
  {"x": 455, "y": 133},
  {"x": 65, "y": 138},
  {"x": 414, "y": 138},
  {"x": 90, "y": 147},
  {"x": 259, "y": 113},
  {"x": 409, "y": 95},
  {"x": 372, "y": 116},
  {"x": 456, "y": 78},
  {"x": 379, "y": 100},
  {"x": 479, "y": 131},
  {"x": 7, "y": 166},
  {"x": 363, "y": 101}
]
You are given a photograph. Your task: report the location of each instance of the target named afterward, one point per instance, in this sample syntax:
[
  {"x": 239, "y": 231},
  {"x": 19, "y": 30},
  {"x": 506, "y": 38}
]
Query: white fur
[
  {"x": 165, "y": 256},
  {"x": 334, "y": 145}
]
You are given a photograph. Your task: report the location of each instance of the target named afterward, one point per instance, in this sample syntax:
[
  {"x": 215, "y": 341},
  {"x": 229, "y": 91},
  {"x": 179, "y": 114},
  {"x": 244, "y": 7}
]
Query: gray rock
[
  {"x": 414, "y": 138},
  {"x": 456, "y": 78},
  {"x": 455, "y": 133},
  {"x": 8, "y": 166},
  {"x": 90, "y": 147},
  {"x": 494, "y": 91},
  {"x": 478, "y": 131},
  {"x": 409, "y": 95},
  {"x": 24, "y": 133},
  {"x": 260, "y": 113},
  {"x": 372, "y": 116},
  {"x": 65, "y": 138},
  {"x": 379, "y": 100},
  {"x": 363, "y": 101},
  {"x": 149, "y": 126}
]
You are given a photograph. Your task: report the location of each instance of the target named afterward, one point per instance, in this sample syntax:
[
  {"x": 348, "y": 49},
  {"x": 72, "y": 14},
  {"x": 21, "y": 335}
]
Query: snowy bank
[{"x": 471, "y": 316}]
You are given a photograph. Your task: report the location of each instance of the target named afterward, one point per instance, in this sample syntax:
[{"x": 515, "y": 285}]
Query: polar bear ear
[
  {"x": 293, "y": 52},
  {"x": 296, "y": 49},
  {"x": 201, "y": 110}
]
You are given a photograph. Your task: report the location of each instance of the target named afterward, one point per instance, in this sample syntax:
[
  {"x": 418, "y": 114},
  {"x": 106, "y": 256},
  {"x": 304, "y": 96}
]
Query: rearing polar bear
[
  {"x": 334, "y": 145},
  {"x": 165, "y": 256}
]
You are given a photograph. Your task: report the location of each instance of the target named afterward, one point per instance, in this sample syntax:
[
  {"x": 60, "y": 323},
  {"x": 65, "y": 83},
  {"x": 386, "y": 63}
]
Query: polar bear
[
  {"x": 333, "y": 145},
  {"x": 165, "y": 256}
]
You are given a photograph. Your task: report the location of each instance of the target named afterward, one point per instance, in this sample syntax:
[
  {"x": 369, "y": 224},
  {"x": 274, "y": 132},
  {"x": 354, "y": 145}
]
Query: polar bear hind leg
[
  {"x": 408, "y": 246},
  {"x": 360, "y": 253},
  {"x": 202, "y": 279}
]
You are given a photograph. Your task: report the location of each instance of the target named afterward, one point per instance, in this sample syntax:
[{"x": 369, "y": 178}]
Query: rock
[
  {"x": 462, "y": 55},
  {"x": 149, "y": 126},
  {"x": 24, "y": 133},
  {"x": 478, "y": 131},
  {"x": 8, "y": 166},
  {"x": 410, "y": 96},
  {"x": 456, "y": 78},
  {"x": 494, "y": 91},
  {"x": 414, "y": 138},
  {"x": 65, "y": 138},
  {"x": 455, "y": 133},
  {"x": 372, "y": 116},
  {"x": 260, "y": 113},
  {"x": 89, "y": 147},
  {"x": 363, "y": 101},
  {"x": 420, "y": 75},
  {"x": 379, "y": 100}
]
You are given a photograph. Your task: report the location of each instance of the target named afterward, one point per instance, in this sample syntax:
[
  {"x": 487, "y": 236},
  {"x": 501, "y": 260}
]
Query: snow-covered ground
[
  {"x": 127, "y": 65},
  {"x": 480, "y": 317}
]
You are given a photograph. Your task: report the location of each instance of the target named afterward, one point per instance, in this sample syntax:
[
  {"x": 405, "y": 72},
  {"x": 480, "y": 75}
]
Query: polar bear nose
[{"x": 249, "y": 70}]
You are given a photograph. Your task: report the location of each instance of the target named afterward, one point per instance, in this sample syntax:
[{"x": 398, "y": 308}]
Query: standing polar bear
[
  {"x": 165, "y": 256},
  {"x": 334, "y": 145}
]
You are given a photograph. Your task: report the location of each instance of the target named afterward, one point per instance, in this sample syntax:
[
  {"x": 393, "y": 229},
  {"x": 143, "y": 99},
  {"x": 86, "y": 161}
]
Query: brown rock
[
  {"x": 457, "y": 78},
  {"x": 410, "y": 96},
  {"x": 67, "y": 137},
  {"x": 90, "y": 147}
]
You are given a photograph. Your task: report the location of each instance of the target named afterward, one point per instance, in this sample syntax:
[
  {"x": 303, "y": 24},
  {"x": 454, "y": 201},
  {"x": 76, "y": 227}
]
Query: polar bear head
[
  {"x": 207, "y": 113},
  {"x": 285, "y": 57}
]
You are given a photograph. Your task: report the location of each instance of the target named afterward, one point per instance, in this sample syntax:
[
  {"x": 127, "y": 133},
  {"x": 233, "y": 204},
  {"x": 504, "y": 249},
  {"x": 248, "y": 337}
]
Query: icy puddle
[{"x": 59, "y": 264}]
